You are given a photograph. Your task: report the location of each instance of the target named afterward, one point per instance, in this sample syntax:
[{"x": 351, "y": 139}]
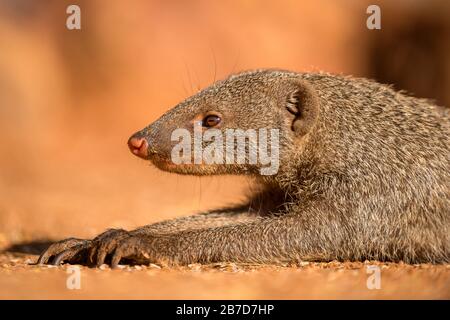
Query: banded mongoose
[{"x": 364, "y": 173}]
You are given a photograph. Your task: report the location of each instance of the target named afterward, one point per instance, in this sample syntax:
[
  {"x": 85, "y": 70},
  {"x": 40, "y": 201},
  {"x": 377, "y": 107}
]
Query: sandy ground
[{"x": 20, "y": 280}]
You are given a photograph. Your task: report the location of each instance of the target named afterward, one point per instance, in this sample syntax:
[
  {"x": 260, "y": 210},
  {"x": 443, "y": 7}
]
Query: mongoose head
[{"x": 278, "y": 101}]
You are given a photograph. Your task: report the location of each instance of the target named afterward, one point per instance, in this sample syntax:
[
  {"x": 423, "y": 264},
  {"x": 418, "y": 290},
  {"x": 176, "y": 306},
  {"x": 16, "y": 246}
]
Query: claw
[
  {"x": 101, "y": 255},
  {"x": 130, "y": 248},
  {"x": 115, "y": 260},
  {"x": 57, "y": 248},
  {"x": 92, "y": 254},
  {"x": 65, "y": 255},
  {"x": 44, "y": 258},
  {"x": 122, "y": 251}
]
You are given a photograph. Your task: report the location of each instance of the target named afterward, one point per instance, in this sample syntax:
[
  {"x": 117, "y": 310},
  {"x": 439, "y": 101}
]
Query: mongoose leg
[
  {"x": 253, "y": 240},
  {"x": 96, "y": 251},
  {"x": 199, "y": 221},
  {"x": 261, "y": 241}
]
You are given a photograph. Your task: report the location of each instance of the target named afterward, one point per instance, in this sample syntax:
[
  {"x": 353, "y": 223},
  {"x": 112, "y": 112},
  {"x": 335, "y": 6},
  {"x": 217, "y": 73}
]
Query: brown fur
[{"x": 364, "y": 174}]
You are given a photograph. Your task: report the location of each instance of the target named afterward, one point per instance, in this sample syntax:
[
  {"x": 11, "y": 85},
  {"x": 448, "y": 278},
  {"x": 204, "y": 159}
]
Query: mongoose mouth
[{"x": 167, "y": 164}]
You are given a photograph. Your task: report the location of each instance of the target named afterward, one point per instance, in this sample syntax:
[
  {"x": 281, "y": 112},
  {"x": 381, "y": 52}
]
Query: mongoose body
[{"x": 363, "y": 174}]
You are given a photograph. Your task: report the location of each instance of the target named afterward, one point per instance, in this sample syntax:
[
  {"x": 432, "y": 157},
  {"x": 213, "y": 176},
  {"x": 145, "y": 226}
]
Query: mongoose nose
[{"x": 138, "y": 146}]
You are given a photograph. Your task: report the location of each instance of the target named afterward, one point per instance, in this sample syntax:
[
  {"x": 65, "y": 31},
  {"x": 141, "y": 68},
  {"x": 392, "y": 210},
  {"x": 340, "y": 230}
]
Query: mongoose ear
[{"x": 303, "y": 104}]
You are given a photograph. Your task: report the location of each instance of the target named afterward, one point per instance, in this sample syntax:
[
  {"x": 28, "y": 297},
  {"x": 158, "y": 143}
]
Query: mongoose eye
[{"x": 211, "y": 120}]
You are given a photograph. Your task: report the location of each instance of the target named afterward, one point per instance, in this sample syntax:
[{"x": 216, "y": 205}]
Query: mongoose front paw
[{"x": 74, "y": 250}]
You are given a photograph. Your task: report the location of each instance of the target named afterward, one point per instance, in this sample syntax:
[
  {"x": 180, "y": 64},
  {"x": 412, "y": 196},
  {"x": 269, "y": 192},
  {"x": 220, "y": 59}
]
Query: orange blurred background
[{"x": 69, "y": 99}]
